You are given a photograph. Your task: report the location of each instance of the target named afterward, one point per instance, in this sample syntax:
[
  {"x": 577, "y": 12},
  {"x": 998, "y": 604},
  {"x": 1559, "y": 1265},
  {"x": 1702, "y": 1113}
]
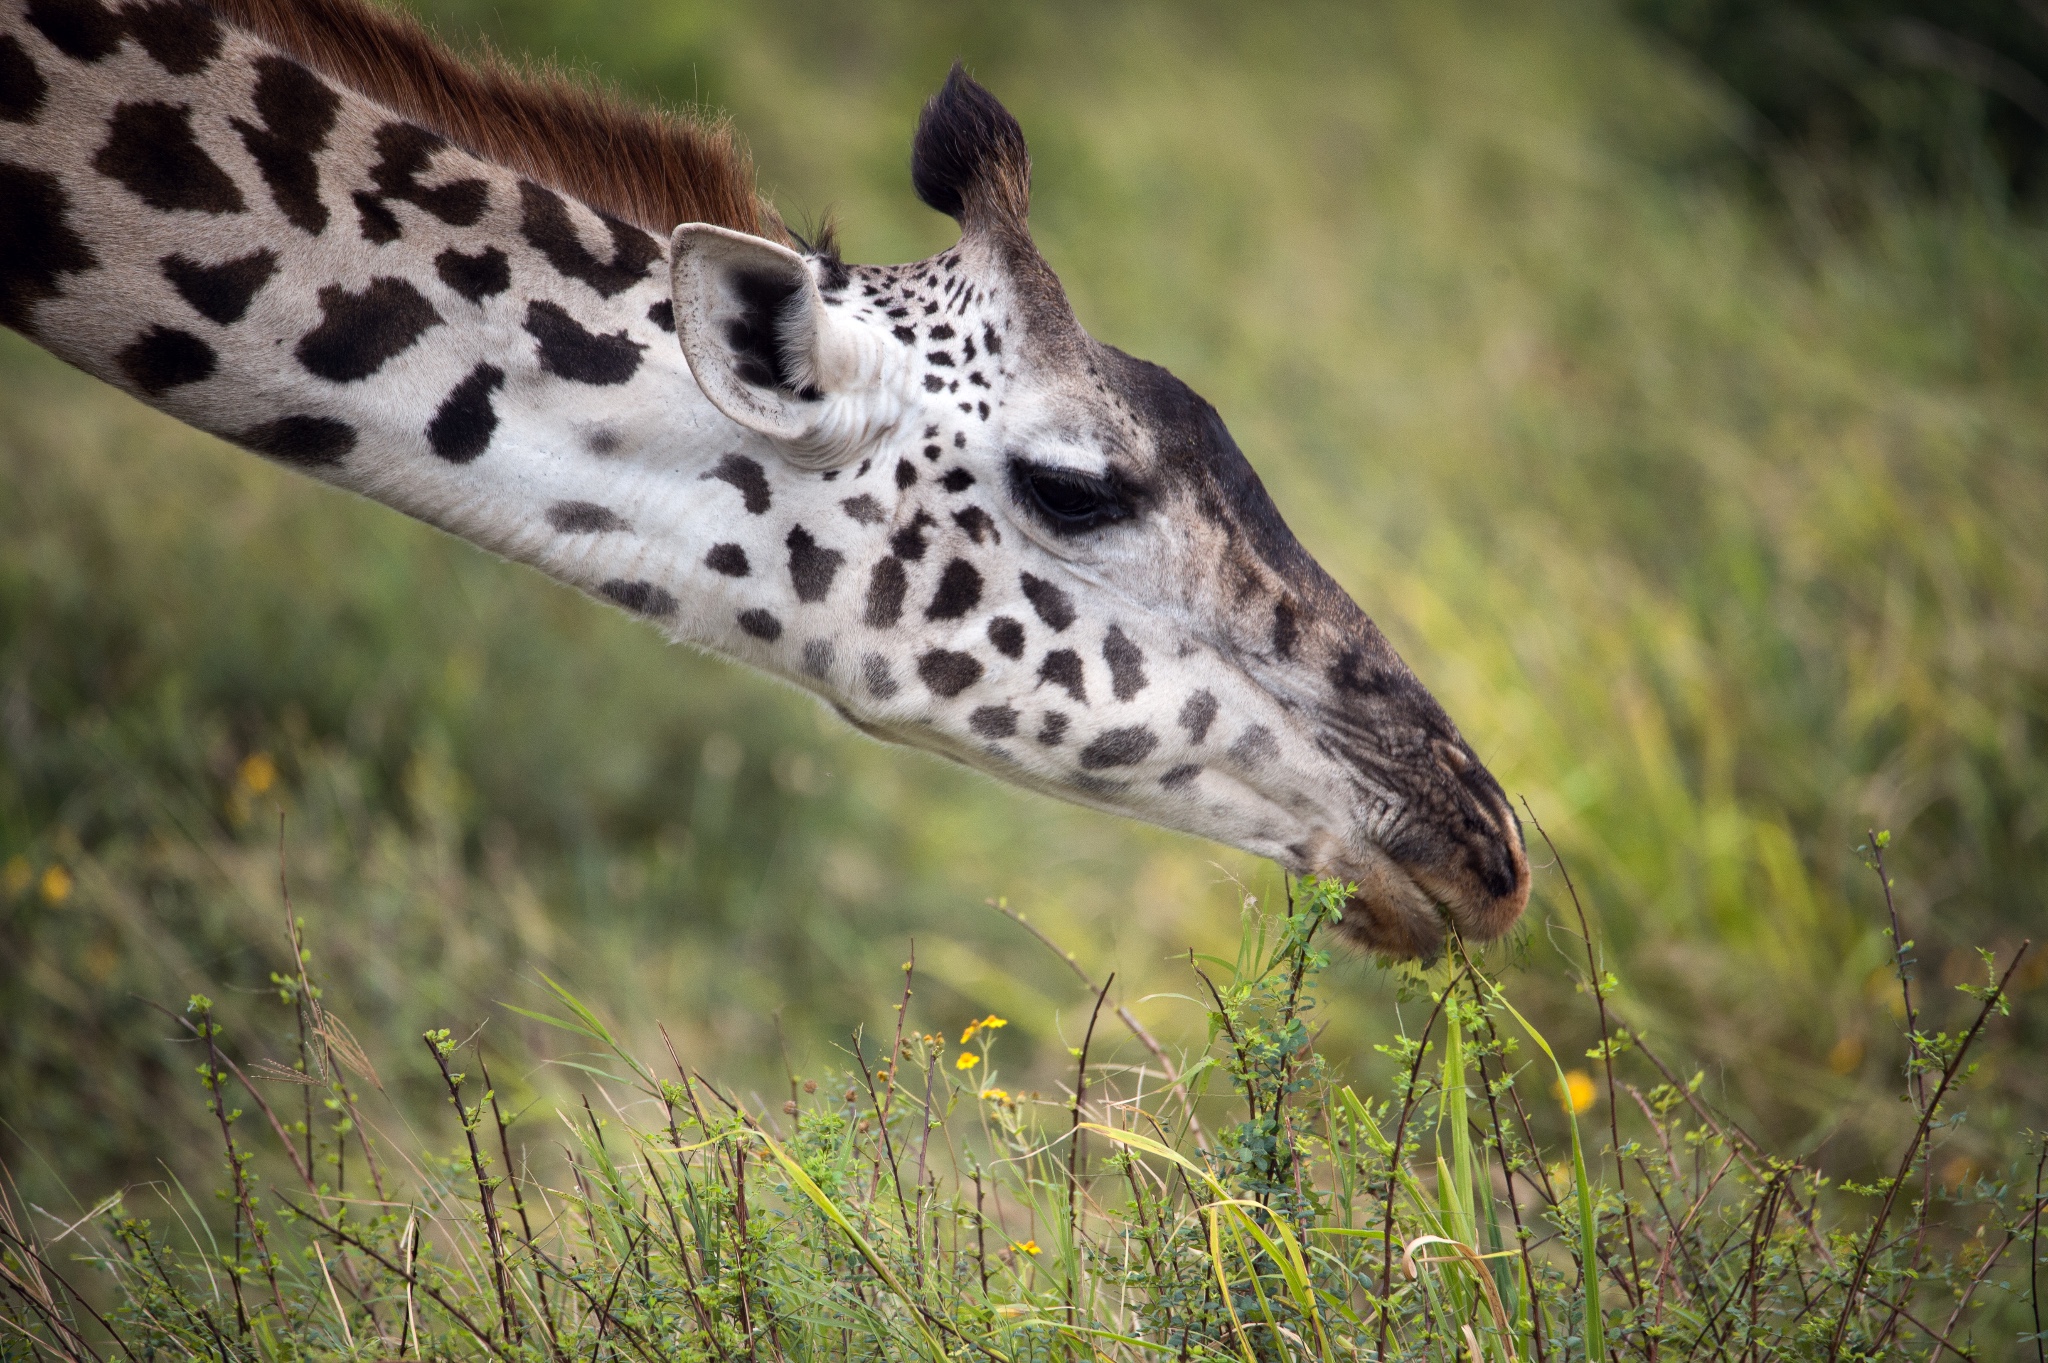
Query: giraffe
[{"x": 570, "y": 331}]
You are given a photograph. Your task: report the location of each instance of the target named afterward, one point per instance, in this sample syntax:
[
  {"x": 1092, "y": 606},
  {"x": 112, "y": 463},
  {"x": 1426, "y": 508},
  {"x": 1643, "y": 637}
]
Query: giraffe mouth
[{"x": 1413, "y": 912}]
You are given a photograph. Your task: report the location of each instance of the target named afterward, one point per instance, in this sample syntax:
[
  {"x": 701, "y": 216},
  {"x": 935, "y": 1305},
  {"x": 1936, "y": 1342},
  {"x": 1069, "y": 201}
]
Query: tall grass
[
  {"x": 1246, "y": 1202},
  {"x": 1717, "y": 529}
]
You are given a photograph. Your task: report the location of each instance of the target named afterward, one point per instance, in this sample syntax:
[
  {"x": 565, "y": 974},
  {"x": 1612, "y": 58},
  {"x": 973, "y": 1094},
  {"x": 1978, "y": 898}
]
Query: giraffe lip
[
  {"x": 1390, "y": 913},
  {"x": 1406, "y": 913}
]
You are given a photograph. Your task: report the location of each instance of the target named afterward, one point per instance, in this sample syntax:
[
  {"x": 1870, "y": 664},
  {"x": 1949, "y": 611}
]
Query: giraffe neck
[{"x": 274, "y": 258}]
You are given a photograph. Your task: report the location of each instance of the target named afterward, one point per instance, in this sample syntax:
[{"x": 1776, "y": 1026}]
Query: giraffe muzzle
[{"x": 1456, "y": 866}]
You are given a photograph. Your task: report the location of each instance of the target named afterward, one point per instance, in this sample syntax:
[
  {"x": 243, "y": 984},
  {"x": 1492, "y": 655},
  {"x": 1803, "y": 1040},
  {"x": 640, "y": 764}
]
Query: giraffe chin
[{"x": 1409, "y": 916}]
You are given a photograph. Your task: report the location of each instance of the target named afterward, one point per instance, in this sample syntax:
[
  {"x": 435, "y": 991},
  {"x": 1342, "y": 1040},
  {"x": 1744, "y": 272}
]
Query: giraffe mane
[{"x": 651, "y": 167}]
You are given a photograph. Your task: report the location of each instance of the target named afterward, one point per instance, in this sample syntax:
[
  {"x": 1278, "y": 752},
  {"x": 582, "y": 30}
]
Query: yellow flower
[
  {"x": 1576, "y": 1092},
  {"x": 56, "y": 884},
  {"x": 966, "y": 1060},
  {"x": 989, "y": 1023},
  {"x": 1027, "y": 1247},
  {"x": 258, "y": 773},
  {"x": 996, "y": 1095}
]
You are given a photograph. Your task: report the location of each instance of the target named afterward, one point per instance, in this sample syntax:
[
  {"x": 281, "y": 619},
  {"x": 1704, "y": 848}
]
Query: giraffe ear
[{"x": 762, "y": 344}]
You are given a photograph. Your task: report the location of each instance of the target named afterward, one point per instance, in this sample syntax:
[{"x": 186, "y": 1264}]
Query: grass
[
  {"x": 1715, "y": 526},
  {"x": 1243, "y": 1202}
]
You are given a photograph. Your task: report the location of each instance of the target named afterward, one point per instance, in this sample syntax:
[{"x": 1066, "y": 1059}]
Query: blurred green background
[{"x": 1699, "y": 470}]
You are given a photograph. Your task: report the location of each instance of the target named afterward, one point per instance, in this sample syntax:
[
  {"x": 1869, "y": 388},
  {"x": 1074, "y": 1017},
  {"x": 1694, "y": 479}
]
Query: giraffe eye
[{"x": 1069, "y": 501}]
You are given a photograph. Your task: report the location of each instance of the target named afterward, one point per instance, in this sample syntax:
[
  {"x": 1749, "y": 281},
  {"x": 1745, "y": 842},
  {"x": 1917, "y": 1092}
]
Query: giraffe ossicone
[{"x": 921, "y": 491}]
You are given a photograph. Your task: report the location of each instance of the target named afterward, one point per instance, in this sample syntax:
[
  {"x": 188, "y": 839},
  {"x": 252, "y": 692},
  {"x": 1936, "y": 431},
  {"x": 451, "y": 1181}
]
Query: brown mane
[{"x": 650, "y": 167}]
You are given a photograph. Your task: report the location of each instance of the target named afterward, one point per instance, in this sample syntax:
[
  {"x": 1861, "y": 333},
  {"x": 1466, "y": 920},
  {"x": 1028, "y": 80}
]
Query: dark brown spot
[
  {"x": 476, "y": 277},
  {"x": 220, "y": 293},
  {"x": 570, "y": 352},
  {"x": 462, "y": 427},
  {"x": 864, "y": 509},
  {"x": 404, "y": 152},
  {"x": 993, "y": 721},
  {"x": 545, "y": 223},
  {"x": 729, "y": 559},
  {"x": 761, "y": 624},
  {"x": 181, "y": 36},
  {"x": 298, "y": 111},
  {"x": 908, "y": 543},
  {"x": 906, "y": 473},
  {"x": 1255, "y": 747},
  {"x": 163, "y": 358},
  {"x": 1126, "y": 664},
  {"x": 151, "y": 152},
  {"x": 37, "y": 243},
  {"x": 747, "y": 477},
  {"x": 663, "y": 315},
  {"x": 83, "y": 30},
  {"x": 1062, "y": 667},
  {"x": 1054, "y": 606},
  {"x": 585, "y": 518},
  {"x": 22, "y": 87},
  {"x": 948, "y": 673},
  {"x": 818, "y": 658},
  {"x": 978, "y": 524},
  {"x": 1179, "y": 776},
  {"x": 959, "y": 592},
  {"x": 811, "y": 566},
  {"x": 1119, "y": 748},
  {"x": 887, "y": 586},
  {"x": 1197, "y": 715},
  {"x": 1286, "y": 628},
  {"x": 1052, "y": 729},
  {"x": 874, "y": 670},
  {"x": 957, "y": 480},
  {"x": 379, "y": 225},
  {"x": 1007, "y": 635},
  {"x": 361, "y": 332},
  {"x": 641, "y": 598},
  {"x": 306, "y": 441}
]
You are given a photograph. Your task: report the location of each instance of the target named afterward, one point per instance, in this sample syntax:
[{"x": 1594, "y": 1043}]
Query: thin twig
[
  {"x": 1891, "y": 1192},
  {"x": 508, "y": 1319},
  {"x": 1915, "y": 1076},
  {"x": 1074, "y": 1151},
  {"x": 2034, "y": 1259},
  {"x": 405, "y": 1275},
  {"x": 1594, "y": 979},
  {"x": 1394, "y": 1169},
  {"x": 1124, "y": 1015}
]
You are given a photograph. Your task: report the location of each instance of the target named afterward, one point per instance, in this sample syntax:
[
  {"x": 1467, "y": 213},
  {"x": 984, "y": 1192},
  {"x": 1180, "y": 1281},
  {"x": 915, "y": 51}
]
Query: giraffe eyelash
[{"x": 1068, "y": 501}]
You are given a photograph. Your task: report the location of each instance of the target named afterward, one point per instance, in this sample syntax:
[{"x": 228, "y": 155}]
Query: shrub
[{"x": 1245, "y": 1203}]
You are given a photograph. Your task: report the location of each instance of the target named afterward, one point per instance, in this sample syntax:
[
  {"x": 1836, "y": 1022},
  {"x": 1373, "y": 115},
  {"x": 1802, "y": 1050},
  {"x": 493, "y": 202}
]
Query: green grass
[
  {"x": 1716, "y": 526},
  {"x": 1245, "y": 1202}
]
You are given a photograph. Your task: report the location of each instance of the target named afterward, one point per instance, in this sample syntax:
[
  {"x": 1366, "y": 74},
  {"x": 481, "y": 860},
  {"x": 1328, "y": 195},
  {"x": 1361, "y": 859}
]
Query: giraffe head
[{"x": 982, "y": 532}]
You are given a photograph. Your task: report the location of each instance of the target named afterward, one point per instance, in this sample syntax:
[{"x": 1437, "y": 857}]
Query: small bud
[{"x": 810, "y": 1086}]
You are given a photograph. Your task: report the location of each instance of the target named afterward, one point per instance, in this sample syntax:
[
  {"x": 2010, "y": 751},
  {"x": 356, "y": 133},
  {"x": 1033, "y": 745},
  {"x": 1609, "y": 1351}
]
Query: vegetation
[
  {"x": 1715, "y": 523},
  {"x": 910, "y": 1206}
]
